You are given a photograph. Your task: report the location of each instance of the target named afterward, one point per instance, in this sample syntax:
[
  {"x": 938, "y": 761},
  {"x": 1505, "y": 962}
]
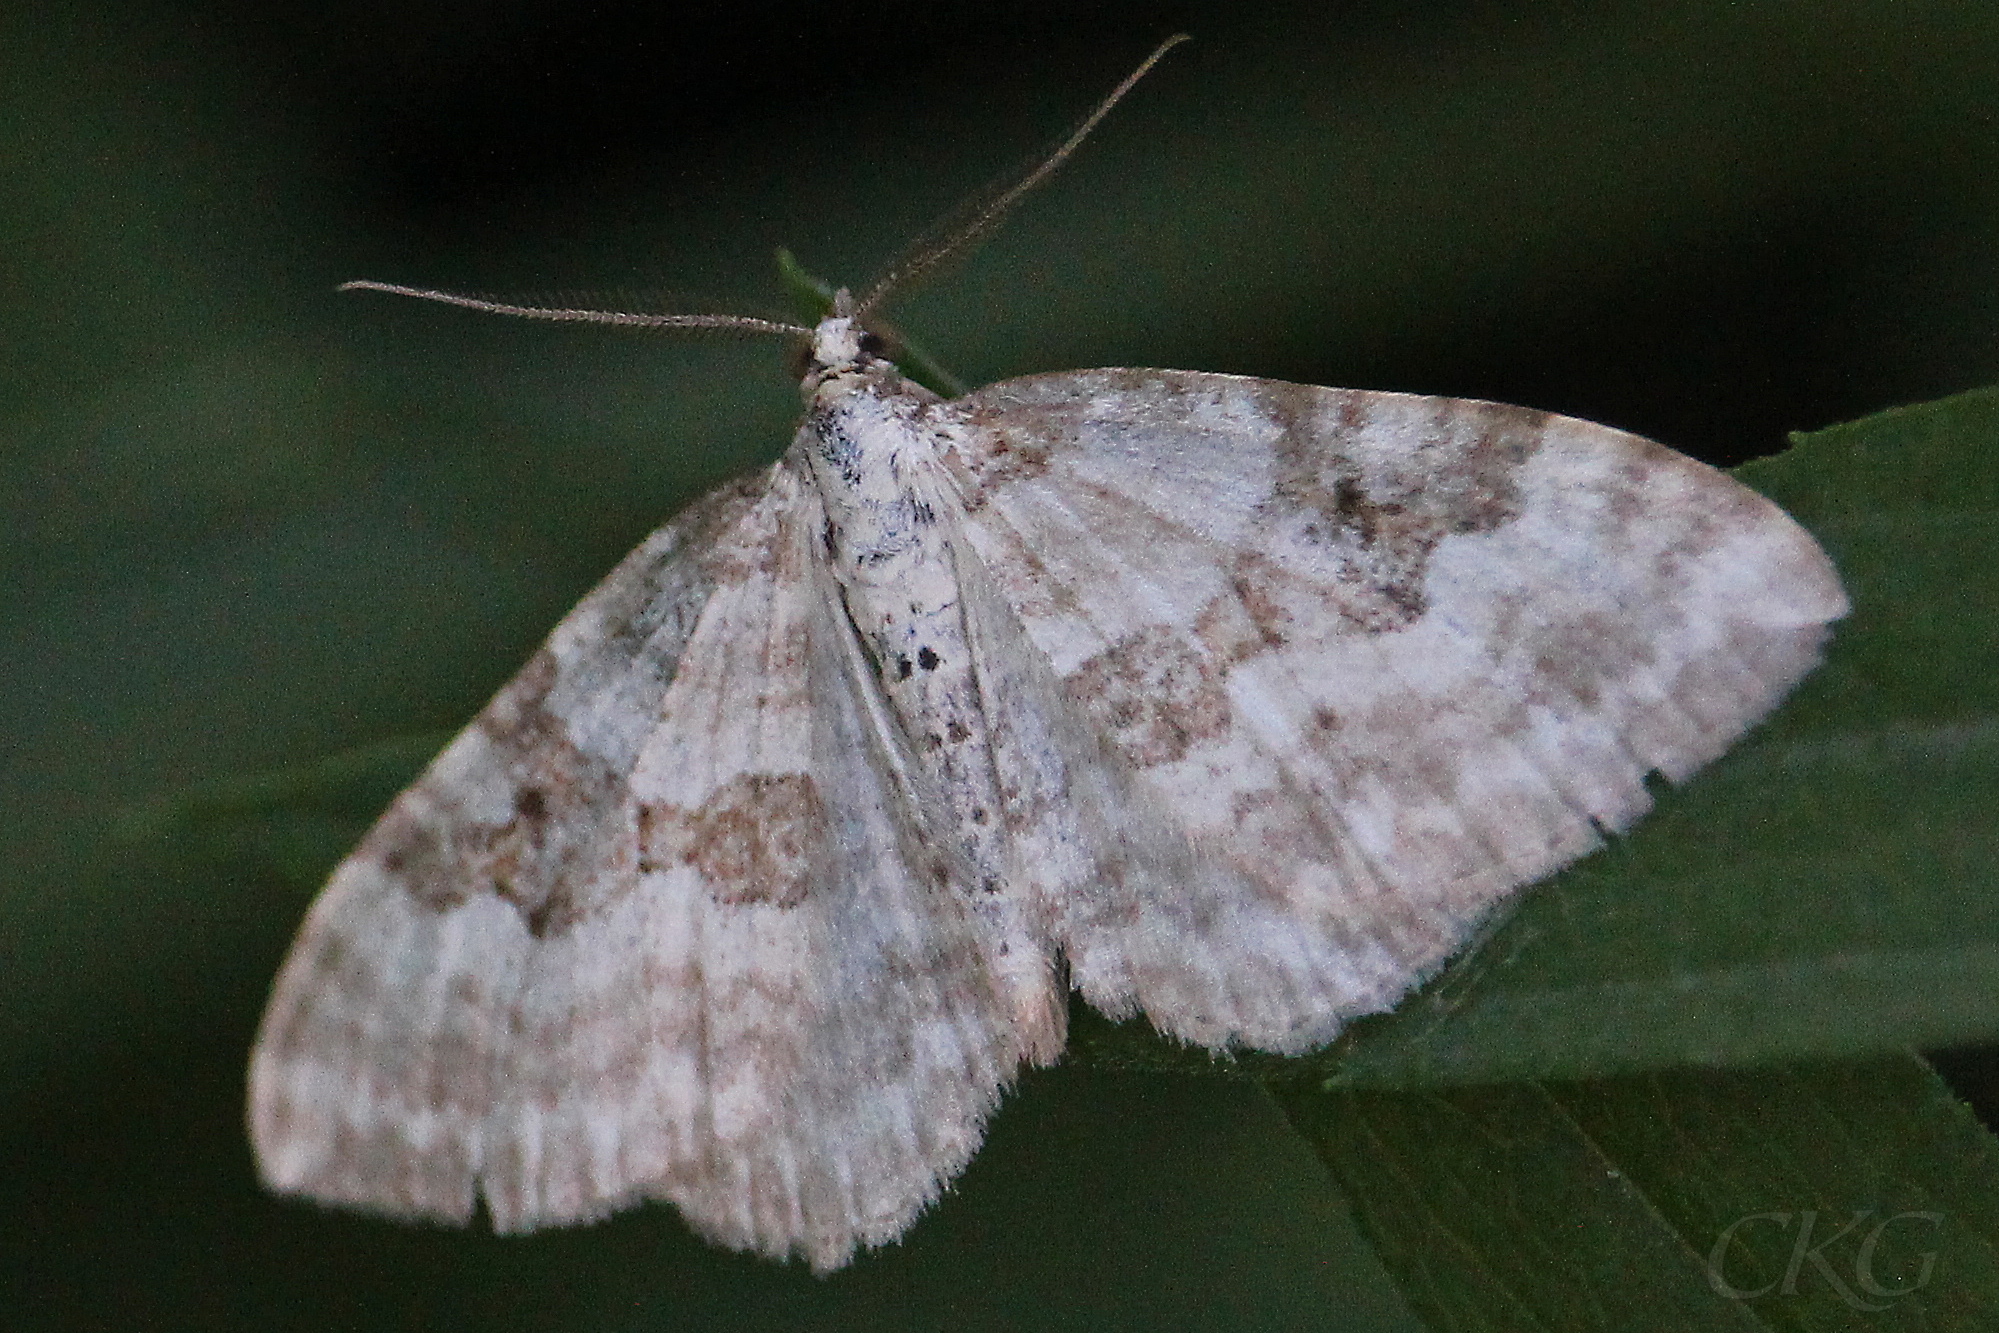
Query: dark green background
[{"x": 246, "y": 523}]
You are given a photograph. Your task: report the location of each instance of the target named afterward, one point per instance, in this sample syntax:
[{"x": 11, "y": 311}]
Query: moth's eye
[
  {"x": 801, "y": 360},
  {"x": 873, "y": 344}
]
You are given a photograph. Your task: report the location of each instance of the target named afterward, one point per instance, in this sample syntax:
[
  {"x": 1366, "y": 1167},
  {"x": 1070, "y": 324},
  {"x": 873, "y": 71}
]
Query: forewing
[
  {"x": 756, "y": 994},
  {"x": 384, "y": 1048},
  {"x": 1363, "y": 663},
  {"x": 790, "y": 1029}
]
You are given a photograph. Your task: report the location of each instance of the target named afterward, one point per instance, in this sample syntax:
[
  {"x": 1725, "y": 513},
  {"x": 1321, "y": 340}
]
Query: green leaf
[
  {"x": 811, "y": 295},
  {"x": 1855, "y": 1196}
]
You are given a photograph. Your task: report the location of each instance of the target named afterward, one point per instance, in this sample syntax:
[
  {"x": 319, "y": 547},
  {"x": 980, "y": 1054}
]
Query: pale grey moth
[{"x": 1234, "y": 703}]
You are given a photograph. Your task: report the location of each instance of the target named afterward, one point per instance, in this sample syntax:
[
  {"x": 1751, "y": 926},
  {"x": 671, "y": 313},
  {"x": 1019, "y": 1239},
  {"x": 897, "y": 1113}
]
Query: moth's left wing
[
  {"x": 788, "y": 1026},
  {"x": 1320, "y": 675},
  {"x": 384, "y": 1048},
  {"x": 669, "y": 921}
]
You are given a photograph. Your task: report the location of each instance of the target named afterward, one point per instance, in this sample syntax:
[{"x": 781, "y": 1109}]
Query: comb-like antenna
[
  {"x": 987, "y": 217},
  {"x": 568, "y": 315}
]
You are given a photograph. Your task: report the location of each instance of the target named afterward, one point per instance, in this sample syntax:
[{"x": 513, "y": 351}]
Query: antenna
[
  {"x": 983, "y": 220},
  {"x": 989, "y": 215},
  {"x": 569, "y": 315}
]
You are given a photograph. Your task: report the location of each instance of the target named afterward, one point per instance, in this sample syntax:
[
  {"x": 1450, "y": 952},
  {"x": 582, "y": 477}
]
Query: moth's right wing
[{"x": 1306, "y": 680}]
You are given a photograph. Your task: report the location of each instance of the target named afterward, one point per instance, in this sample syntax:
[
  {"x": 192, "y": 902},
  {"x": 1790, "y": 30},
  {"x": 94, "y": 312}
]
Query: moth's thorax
[
  {"x": 869, "y": 439},
  {"x": 869, "y": 445}
]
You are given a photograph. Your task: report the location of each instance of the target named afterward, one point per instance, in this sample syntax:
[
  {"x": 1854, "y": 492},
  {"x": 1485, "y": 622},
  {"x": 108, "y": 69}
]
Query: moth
[{"x": 1232, "y": 703}]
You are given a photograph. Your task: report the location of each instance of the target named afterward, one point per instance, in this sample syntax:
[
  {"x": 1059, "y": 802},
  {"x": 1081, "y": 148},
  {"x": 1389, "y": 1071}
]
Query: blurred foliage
[
  {"x": 1859, "y": 1196},
  {"x": 247, "y": 523}
]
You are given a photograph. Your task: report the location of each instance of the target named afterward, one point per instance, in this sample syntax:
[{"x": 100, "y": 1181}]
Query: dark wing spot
[
  {"x": 927, "y": 659},
  {"x": 1367, "y": 519},
  {"x": 1152, "y": 695},
  {"x": 531, "y": 814},
  {"x": 1377, "y": 522},
  {"x": 760, "y": 838}
]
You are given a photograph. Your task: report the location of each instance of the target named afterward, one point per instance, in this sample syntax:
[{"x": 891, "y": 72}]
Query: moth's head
[
  {"x": 837, "y": 343},
  {"x": 841, "y": 346}
]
